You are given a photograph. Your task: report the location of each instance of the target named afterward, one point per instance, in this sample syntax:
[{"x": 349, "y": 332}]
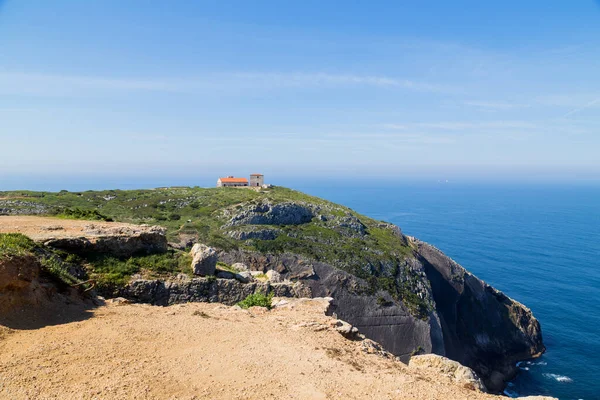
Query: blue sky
[{"x": 430, "y": 89}]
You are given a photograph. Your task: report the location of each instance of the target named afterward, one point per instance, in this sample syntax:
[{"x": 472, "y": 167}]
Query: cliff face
[
  {"x": 482, "y": 327},
  {"x": 471, "y": 322}
]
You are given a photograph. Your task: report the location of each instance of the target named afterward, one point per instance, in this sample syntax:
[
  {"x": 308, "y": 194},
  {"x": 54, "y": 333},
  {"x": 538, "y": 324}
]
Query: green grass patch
[
  {"x": 256, "y": 300},
  {"x": 78, "y": 213},
  {"x": 15, "y": 244}
]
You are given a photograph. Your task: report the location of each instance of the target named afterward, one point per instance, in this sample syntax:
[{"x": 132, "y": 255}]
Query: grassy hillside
[{"x": 367, "y": 248}]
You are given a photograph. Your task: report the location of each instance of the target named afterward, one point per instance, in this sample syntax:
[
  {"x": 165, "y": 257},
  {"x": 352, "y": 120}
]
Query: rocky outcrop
[
  {"x": 226, "y": 291},
  {"x": 261, "y": 234},
  {"x": 470, "y": 322},
  {"x": 267, "y": 213},
  {"x": 22, "y": 207},
  {"x": 118, "y": 241},
  {"x": 204, "y": 260},
  {"x": 458, "y": 373},
  {"x": 391, "y": 324},
  {"x": 482, "y": 328}
]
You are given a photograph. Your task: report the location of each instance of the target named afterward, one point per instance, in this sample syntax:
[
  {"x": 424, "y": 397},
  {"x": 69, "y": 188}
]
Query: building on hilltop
[
  {"x": 230, "y": 181},
  {"x": 257, "y": 180}
]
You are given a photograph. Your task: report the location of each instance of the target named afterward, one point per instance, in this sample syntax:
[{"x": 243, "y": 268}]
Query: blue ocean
[{"x": 540, "y": 244}]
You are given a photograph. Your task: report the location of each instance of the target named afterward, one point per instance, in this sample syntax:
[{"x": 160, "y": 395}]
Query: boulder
[
  {"x": 240, "y": 267},
  {"x": 204, "y": 260},
  {"x": 225, "y": 275},
  {"x": 244, "y": 277},
  {"x": 274, "y": 276},
  {"x": 536, "y": 398},
  {"x": 345, "y": 329},
  {"x": 458, "y": 373}
]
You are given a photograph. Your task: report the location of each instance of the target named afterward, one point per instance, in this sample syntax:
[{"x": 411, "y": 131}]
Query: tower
[{"x": 257, "y": 180}]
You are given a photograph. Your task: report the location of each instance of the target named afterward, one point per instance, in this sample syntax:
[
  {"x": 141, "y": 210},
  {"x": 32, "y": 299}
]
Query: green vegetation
[
  {"x": 256, "y": 300},
  {"x": 111, "y": 272},
  {"x": 226, "y": 267},
  {"x": 78, "y": 213},
  {"x": 417, "y": 351},
  {"x": 54, "y": 266},
  {"x": 376, "y": 254},
  {"x": 15, "y": 244}
]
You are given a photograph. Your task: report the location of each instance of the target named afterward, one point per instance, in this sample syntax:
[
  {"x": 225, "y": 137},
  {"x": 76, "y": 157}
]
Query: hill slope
[{"x": 397, "y": 290}]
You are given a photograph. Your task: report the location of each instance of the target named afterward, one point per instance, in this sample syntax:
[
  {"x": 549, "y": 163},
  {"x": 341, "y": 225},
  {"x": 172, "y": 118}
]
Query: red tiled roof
[
  {"x": 256, "y": 175},
  {"x": 233, "y": 180}
]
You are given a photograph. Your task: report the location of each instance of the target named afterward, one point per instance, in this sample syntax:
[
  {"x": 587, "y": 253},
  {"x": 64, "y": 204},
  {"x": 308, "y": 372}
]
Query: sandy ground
[
  {"x": 204, "y": 351},
  {"x": 42, "y": 228}
]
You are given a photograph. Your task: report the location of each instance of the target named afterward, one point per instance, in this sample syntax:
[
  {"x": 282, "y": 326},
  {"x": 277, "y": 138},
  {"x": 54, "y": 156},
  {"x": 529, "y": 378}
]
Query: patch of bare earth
[
  {"x": 206, "y": 351},
  {"x": 43, "y": 228}
]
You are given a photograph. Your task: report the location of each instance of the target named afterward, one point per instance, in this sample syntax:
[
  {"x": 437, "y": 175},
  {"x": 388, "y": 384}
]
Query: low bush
[
  {"x": 256, "y": 300},
  {"x": 15, "y": 244},
  {"x": 78, "y": 213}
]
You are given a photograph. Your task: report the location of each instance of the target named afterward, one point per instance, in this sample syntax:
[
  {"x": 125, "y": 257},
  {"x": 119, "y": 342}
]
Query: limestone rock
[
  {"x": 345, "y": 329},
  {"x": 483, "y": 328},
  {"x": 225, "y": 275},
  {"x": 226, "y": 291},
  {"x": 120, "y": 241},
  {"x": 244, "y": 277},
  {"x": 204, "y": 260},
  {"x": 240, "y": 267},
  {"x": 261, "y": 234},
  {"x": 267, "y": 213},
  {"x": 457, "y": 372},
  {"x": 118, "y": 301},
  {"x": 274, "y": 276}
]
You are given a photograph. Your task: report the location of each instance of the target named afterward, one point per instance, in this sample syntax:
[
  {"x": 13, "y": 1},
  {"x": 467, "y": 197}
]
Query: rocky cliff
[{"x": 396, "y": 290}]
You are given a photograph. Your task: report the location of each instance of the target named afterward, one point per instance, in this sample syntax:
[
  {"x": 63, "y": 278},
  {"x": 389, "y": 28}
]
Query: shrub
[
  {"x": 78, "y": 213},
  {"x": 15, "y": 244},
  {"x": 58, "y": 270},
  {"x": 174, "y": 217},
  {"x": 159, "y": 217},
  {"x": 256, "y": 300}
]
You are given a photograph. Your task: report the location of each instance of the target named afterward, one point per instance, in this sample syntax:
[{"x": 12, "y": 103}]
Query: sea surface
[{"x": 540, "y": 244}]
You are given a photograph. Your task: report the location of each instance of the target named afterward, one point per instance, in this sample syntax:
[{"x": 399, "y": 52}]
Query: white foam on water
[
  {"x": 537, "y": 363},
  {"x": 559, "y": 378}
]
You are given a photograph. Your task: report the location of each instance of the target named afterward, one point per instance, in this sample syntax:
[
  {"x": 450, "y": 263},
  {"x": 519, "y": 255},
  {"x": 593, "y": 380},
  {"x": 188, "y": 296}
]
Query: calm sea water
[{"x": 538, "y": 244}]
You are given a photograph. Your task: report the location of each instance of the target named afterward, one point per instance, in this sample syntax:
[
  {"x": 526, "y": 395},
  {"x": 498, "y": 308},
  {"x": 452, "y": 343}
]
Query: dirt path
[
  {"x": 198, "y": 351},
  {"x": 42, "y": 228}
]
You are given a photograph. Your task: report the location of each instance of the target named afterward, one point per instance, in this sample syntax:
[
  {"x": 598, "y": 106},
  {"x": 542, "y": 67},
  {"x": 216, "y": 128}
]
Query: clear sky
[{"x": 425, "y": 89}]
